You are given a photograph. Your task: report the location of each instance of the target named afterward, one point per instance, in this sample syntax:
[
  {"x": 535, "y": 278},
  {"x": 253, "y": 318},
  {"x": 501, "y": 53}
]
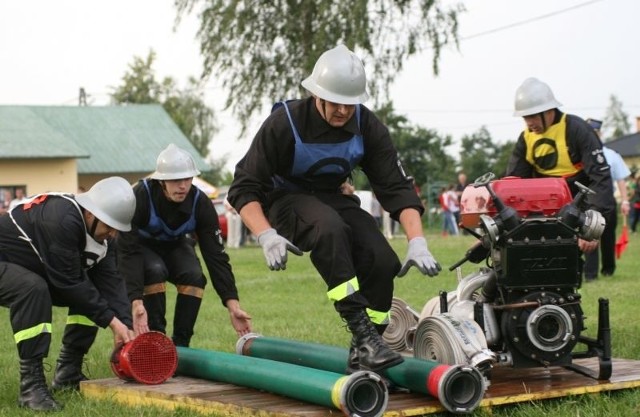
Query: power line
[
  {"x": 524, "y": 22},
  {"x": 505, "y": 110}
]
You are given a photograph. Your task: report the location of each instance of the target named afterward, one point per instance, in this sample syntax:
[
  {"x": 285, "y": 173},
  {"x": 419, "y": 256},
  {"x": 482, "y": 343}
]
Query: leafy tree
[
  {"x": 616, "y": 121},
  {"x": 218, "y": 174},
  {"x": 186, "y": 107},
  {"x": 421, "y": 151},
  {"x": 504, "y": 153},
  {"x": 480, "y": 154},
  {"x": 261, "y": 50}
]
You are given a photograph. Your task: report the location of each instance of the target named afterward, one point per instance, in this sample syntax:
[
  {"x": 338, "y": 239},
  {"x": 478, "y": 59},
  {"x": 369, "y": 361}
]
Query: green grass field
[{"x": 292, "y": 304}]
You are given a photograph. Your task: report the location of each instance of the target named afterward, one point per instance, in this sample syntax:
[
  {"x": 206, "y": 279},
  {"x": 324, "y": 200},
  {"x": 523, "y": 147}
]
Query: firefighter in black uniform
[
  {"x": 287, "y": 190},
  {"x": 55, "y": 249},
  {"x": 556, "y": 144},
  {"x": 170, "y": 213}
]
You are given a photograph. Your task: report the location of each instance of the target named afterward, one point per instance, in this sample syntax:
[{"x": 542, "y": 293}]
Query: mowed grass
[{"x": 292, "y": 304}]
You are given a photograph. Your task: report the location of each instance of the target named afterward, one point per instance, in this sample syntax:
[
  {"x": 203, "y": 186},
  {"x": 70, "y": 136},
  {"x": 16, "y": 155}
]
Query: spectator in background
[
  {"x": 20, "y": 196},
  {"x": 448, "y": 199},
  {"x": 5, "y": 200},
  {"x": 454, "y": 206},
  {"x": 631, "y": 190},
  {"x": 619, "y": 174},
  {"x": 635, "y": 203},
  {"x": 460, "y": 186},
  {"x": 376, "y": 210},
  {"x": 234, "y": 226}
]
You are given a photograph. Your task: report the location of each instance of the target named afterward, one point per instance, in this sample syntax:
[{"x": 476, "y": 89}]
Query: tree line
[{"x": 260, "y": 50}]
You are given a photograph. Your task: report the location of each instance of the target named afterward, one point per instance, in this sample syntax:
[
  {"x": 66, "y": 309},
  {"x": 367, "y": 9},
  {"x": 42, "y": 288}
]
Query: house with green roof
[
  {"x": 63, "y": 148},
  {"x": 628, "y": 146}
]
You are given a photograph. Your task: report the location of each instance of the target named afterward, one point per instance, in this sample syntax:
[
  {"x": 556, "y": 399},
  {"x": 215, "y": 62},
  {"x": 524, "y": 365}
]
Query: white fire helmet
[
  {"x": 533, "y": 97},
  {"x": 112, "y": 201},
  {"x": 174, "y": 163},
  {"x": 338, "y": 77}
]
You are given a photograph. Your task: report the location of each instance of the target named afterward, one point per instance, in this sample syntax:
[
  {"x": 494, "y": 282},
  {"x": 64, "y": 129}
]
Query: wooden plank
[{"x": 508, "y": 386}]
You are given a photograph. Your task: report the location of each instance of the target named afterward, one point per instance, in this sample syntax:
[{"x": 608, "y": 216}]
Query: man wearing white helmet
[
  {"x": 159, "y": 249},
  {"x": 287, "y": 190},
  {"x": 56, "y": 249},
  {"x": 556, "y": 144}
]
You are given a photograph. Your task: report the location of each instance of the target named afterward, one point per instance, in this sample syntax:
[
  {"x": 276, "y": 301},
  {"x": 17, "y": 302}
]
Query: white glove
[
  {"x": 275, "y": 249},
  {"x": 418, "y": 254}
]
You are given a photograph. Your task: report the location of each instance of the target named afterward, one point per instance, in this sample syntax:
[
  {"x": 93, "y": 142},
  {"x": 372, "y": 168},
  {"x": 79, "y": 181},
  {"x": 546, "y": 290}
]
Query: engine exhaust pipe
[
  {"x": 459, "y": 388},
  {"x": 361, "y": 394}
]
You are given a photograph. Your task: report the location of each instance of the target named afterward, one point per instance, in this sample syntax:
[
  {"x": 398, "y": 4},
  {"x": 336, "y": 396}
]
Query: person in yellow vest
[{"x": 557, "y": 144}]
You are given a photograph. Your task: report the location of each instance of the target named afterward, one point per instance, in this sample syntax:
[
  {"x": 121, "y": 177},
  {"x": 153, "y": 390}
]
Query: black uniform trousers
[
  {"x": 607, "y": 248},
  {"x": 177, "y": 263},
  {"x": 344, "y": 241},
  {"x": 30, "y": 303}
]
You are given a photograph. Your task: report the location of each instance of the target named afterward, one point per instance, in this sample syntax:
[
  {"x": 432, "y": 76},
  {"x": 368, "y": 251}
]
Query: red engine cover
[{"x": 545, "y": 196}]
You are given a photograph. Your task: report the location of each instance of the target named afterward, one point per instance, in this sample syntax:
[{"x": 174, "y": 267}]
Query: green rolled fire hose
[
  {"x": 459, "y": 388},
  {"x": 361, "y": 394}
]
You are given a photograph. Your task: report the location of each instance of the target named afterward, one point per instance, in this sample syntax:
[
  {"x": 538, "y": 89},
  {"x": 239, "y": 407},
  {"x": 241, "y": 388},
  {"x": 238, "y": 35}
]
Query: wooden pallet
[{"x": 508, "y": 386}]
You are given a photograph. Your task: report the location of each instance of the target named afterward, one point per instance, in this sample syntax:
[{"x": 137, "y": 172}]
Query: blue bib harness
[
  {"x": 158, "y": 229},
  {"x": 313, "y": 160}
]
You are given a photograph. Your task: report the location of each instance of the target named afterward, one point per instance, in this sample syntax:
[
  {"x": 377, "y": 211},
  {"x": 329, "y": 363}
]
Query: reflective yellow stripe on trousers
[
  {"x": 32, "y": 332},
  {"x": 346, "y": 289},
  {"x": 378, "y": 317},
  {"x": 81, "y": 320}
]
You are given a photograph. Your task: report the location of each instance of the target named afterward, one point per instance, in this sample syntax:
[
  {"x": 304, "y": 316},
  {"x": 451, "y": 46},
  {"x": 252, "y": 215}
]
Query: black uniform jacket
[
  {"x": 585, "y": 149},
  {"x": 57, "y": 230},
  {"x": 271, "y": 153},
  {"x": 175, "y": 214}
]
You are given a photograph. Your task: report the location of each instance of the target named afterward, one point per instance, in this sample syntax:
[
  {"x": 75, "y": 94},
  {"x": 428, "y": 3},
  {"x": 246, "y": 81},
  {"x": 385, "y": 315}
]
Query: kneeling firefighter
[
  {"x": 171, "y": 216},
  {"x": 56, "y": 249}
]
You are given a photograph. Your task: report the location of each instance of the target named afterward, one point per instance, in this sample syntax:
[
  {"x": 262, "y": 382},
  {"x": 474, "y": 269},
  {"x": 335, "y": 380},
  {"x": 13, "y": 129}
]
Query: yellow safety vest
[{"x": 548, "y": 152}]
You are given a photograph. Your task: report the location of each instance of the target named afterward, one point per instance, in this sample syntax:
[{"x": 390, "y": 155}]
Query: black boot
[
  {"x": 68, "y": 372},
  {"x": 391, "y": 386},
  {"x": 156, "y": 306},
  {"x": 184, "y": 319},
  {"x": 373, "y": 353},
  {"x": 34, "y": 393},
  {"x": 353, "y": 362},
  {"x": 381, "y": 328}
]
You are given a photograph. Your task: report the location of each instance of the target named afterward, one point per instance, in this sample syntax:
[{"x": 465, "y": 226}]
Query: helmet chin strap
[
  {"x": 544, "y": 121},
  {"x": 94, "y": 226},
  {"x": 324, "y": 108}
]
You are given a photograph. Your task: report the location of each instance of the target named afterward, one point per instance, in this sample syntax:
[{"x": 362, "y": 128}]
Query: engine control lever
[{"x": 476, "y": 254}]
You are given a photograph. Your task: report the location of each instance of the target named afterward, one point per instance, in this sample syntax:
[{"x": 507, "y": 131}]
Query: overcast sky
[{"x": 586, "y": 50}]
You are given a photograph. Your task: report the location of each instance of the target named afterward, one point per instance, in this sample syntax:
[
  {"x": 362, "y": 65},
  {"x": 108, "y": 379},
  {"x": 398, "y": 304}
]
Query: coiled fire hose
[
  {"x": 402, "y": 319},
  {"x": 452, "y": 340}
]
